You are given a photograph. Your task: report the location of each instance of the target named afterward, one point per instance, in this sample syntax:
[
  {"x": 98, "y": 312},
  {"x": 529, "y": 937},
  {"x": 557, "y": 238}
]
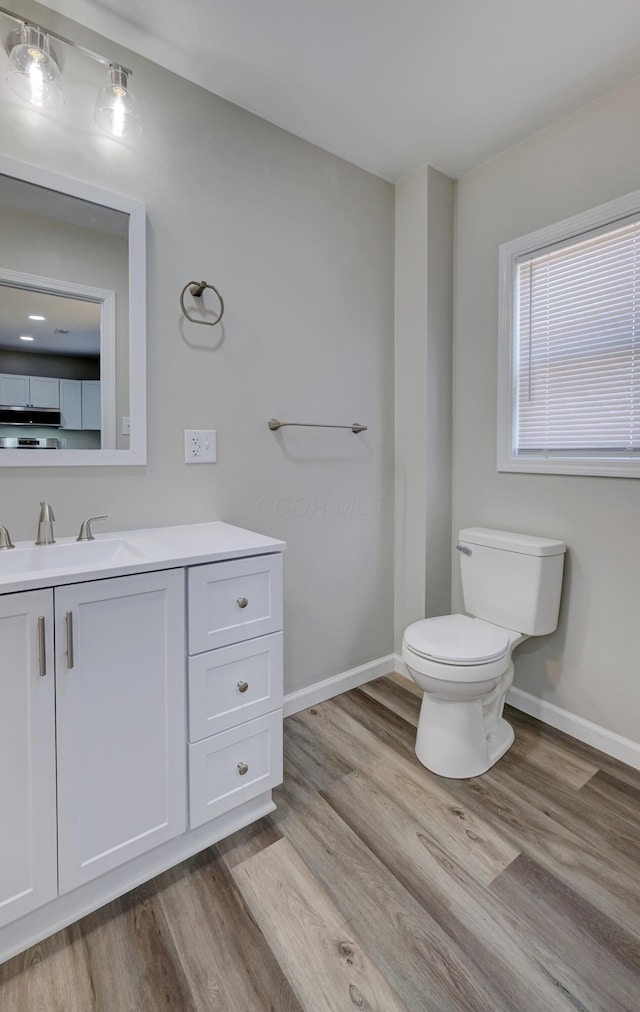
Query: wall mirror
[{"x": 72, "y": 322}]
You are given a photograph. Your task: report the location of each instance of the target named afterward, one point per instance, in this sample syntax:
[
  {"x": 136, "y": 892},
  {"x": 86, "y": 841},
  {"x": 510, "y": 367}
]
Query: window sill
[{"x": 594, "y": 467}]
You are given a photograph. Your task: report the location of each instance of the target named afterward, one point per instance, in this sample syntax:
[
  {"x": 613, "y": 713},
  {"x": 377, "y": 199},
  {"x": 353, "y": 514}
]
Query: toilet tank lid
[{"x": 523, "y": 544}]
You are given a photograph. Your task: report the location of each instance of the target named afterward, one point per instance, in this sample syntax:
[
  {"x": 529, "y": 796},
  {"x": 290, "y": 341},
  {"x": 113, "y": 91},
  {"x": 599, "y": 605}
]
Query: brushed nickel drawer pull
[
  {"x": 242, "y": 769},
  {"x": 243, "y": 686},
  {"x": 242, "y": 602},
  {"x": 42, "y": 649},
  {"x": 69, "y": 625}
]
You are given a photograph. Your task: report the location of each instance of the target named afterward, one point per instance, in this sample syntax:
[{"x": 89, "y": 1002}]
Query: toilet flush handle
[{"x": 463, "y": 549}]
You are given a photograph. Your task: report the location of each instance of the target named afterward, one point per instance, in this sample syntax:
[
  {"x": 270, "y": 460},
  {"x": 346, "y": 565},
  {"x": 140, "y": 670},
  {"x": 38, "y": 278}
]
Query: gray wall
[
  {"x": 300, "y": 244},
  {"x": 21, "y": 363},
  {"x": 423, "y": 333},
  {"x": 590, "y": 665}
]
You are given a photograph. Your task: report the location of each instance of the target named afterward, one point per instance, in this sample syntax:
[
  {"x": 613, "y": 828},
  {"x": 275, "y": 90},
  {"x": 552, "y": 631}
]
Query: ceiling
[
  {"x": 70, "y": 326},
  {"x": 390, "y": 85}
]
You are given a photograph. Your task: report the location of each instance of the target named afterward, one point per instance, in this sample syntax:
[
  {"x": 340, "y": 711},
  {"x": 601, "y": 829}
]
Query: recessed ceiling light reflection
[
  {"x": 25, "y": 337},
  {"x": 34, "y": 317}
]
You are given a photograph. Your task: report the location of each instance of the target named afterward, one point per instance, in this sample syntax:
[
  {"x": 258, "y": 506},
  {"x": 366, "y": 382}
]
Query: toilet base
[
  {"x": 453, "y": 738},
  {"x": 499, "y": 741}
]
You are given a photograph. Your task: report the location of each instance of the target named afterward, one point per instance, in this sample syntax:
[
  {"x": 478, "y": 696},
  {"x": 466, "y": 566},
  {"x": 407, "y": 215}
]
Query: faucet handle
[
  {"x": 85, "y": 528},
  {"x": 5, "y": 539},
  {"x": 46, "y": 513},
  {"x": 45, "y": 525}
]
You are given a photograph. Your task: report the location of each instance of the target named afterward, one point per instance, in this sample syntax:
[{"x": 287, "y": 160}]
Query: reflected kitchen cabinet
[
  {"x": 14, "y": 389},
  {"x": 80, "y": 405},
  {"x": 71, "y": 404},
  {"x": 44, "y": 392},
  {"x": 37, "y": 391},
  {"x": 91, "y": 411}
]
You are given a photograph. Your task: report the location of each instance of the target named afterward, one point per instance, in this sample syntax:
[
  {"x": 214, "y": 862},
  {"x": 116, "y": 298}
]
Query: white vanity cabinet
[
  {"x": 115, "y": 696},
  {"x": 140, "y": 711},
  {"x": 120, "y": 720},
  {"x": 28, "y": 865}
]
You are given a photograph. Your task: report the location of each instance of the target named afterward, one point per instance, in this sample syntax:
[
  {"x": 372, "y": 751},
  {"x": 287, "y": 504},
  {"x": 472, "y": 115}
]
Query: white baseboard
[
  {"x": 329, "y": 687},
  {"x": 609, "y": 742},
  {"x": 400, "y": 667}
]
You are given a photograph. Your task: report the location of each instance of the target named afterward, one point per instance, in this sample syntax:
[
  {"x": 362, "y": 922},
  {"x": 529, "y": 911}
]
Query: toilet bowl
[{"x": 463, "y": 663}]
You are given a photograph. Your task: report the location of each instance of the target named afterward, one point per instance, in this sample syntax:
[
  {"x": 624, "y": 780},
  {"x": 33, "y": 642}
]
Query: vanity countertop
[{"x": 119, "y": 553}]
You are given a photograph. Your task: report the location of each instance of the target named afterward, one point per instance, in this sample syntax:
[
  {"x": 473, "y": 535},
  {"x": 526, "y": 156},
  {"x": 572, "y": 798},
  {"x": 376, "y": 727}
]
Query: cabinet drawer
[
  {"x": 233, "y": 684},
  {"x": 234, "y": 766},
  {"x": 232, "y": 601}
]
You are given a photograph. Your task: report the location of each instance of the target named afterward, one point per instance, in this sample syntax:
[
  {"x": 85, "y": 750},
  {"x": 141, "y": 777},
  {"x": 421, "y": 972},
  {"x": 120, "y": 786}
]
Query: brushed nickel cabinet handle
[
  {"x": 242, "y": 769},
  {"x": 42, "y": 648},
  {"x": 242, "y": 602},
  {"x": 243, "y": 686},
  {"x": 69, "y": 625}
]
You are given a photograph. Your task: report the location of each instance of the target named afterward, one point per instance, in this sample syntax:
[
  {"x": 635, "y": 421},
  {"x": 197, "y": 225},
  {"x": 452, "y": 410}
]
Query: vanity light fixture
[
  {"x": 25, "y": 337},
  {"x": 116, "y": 107},
  {"x": 36, "y": 77},
  {"x": 33, "y": 316}
]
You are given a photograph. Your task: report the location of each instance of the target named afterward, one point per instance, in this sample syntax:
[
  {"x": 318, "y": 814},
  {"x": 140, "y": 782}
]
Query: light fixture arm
[{"x": 67, "y": 42}]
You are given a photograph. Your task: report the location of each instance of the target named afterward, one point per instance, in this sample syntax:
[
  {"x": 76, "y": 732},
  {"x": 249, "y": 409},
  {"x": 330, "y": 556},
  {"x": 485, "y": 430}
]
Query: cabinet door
[
  {"x": 44, "y": 392},
  {"x": 28, "y": 868},
  {"x": 91, "y": 405},
  {"x": 120, "y": 671},
  {"x": 71, "y": 403},
  {"x": 14, "y": 389}
]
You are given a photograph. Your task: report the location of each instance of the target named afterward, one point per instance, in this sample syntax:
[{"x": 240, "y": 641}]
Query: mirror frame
[{"x": 137, "y": 452}]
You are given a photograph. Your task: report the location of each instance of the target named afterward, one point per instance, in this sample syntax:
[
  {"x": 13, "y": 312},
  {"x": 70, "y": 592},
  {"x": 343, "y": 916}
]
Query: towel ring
[{"x": 197, "y": 289}]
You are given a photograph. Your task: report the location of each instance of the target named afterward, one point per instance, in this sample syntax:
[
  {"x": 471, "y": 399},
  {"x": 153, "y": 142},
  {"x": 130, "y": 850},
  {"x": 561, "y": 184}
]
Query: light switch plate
[{"x": 200, "y": 446}]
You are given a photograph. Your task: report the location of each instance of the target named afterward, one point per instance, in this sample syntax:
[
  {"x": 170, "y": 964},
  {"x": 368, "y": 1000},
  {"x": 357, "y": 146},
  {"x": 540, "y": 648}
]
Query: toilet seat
[{"x": 457, "y": 648}]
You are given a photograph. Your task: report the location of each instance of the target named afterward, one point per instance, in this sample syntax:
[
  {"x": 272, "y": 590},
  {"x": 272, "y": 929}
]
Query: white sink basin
[{"x": 68, "y": 555}]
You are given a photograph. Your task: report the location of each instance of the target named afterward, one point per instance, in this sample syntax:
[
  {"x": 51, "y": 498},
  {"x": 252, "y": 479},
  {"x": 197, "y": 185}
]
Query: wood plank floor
[{"x": 377, "y": 886}]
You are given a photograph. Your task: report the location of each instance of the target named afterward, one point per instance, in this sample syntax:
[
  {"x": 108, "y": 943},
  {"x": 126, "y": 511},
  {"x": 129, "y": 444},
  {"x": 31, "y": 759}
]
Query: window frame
[{"x": 508, "y": 459}]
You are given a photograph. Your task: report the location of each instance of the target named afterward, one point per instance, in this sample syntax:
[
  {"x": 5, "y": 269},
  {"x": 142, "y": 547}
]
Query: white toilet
[{"x": 511, "y": 585}]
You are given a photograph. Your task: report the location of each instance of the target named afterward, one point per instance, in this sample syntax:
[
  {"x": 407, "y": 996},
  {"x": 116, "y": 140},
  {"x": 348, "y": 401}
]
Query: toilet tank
[{"x": 511, "y": 580}]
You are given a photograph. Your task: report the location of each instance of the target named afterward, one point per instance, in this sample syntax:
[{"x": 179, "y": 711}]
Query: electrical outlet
[{"x": 200, "y": 446}]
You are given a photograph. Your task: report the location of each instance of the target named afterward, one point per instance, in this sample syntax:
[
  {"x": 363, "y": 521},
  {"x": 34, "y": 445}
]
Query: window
[{"x": 569, "y": 355}]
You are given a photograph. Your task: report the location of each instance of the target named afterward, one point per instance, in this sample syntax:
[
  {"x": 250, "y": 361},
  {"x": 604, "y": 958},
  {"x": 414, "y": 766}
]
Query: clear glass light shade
[
  {"x": 116, "y": 107},
  {"x": 36, "y": 77}
]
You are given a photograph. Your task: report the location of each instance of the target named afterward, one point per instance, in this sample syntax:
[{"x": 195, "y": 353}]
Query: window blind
[{"x": 577, "y": 313}]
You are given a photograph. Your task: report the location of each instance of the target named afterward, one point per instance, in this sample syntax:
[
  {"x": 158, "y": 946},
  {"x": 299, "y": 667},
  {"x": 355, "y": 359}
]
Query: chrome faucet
[
  {"x": 45, "y": 525},
  {"x": 5, "y": 539},
  {"x": 86, "y": 533}
]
